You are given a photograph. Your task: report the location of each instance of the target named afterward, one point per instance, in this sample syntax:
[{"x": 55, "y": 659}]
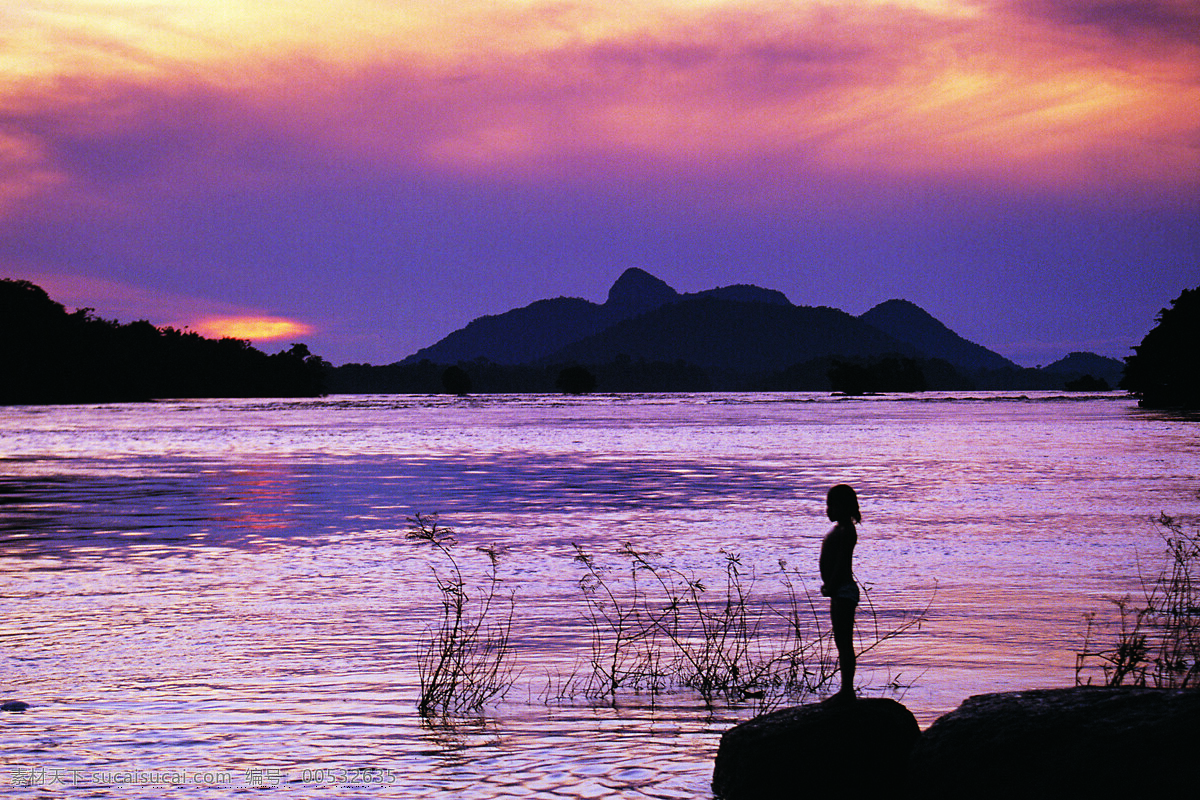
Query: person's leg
[{"x": 841, "y": 614}]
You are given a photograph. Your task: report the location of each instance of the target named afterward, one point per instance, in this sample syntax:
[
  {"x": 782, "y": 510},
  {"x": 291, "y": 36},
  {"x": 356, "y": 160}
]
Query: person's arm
[
  {"x": 835, "y": 562},
  {"x": 828, "y": 550}
]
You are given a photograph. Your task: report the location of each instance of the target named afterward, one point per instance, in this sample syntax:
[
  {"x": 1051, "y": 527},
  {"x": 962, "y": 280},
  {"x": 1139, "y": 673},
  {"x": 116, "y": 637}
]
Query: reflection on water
[{"x": 224, "y": 587}]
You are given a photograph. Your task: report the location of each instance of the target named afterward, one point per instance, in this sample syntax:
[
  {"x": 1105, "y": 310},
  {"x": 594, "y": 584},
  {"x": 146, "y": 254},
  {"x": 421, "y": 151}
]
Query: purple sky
[{"x": 1026, "y": 171}]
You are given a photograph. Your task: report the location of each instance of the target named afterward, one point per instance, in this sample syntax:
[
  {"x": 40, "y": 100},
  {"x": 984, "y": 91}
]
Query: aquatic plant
[
  {"x": 804, "y": 661},
  {"x": 624, "y": 651},
  {"x": 466, "y": 658},
  {"x": 1157, "y": 641},
  {"x": 714, "y": 637},
  {"x": 662, "y": 627},
  {"x": 684, "y": 633},
  {"x": 652, "y": 627}
]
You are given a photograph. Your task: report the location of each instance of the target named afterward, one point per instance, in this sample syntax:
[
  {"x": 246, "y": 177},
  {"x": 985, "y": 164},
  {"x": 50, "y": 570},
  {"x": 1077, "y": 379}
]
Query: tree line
[{"x": 50, "y": 355}]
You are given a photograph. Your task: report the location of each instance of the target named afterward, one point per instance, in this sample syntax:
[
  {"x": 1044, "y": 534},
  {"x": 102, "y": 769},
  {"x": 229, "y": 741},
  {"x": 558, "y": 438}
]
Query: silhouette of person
[{"x": 837, "y": 578}]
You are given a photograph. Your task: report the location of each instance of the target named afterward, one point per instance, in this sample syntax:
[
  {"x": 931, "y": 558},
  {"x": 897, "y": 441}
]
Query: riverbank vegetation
[
  {"x": 892, "y": 373},
  {"x": 1156, "y": 641},
  {"x": 50, "y": 355},
  {"x": 740, "y": 637},
  {"x": 465, "y": 659},
  {"x": 1164, "y": 371}
]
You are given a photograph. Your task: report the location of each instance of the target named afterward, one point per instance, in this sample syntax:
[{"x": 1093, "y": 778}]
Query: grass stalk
[{"x": 466, "y": 658}]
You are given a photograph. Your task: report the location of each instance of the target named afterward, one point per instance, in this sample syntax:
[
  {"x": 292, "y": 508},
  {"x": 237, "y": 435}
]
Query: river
[{"x": 214, "y": 597}]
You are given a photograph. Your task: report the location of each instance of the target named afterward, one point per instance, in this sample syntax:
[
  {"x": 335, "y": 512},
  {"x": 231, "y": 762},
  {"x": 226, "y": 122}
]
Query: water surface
[{"x": 220, "y": 593}]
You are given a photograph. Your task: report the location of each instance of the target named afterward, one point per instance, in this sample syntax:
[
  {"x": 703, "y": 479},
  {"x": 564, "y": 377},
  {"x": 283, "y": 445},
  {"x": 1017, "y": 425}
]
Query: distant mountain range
[
  {"x": 648, "y": 336},
  {"x": 645, "y": 337},
  {"x": 540, "y": 331},
  {"x": 729, "y": 329}
]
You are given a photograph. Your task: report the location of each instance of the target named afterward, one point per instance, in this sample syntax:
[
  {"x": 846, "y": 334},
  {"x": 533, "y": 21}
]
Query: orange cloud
[
  {"x": 1078, "y": 94},
  {"x": 252, "y": 328}
]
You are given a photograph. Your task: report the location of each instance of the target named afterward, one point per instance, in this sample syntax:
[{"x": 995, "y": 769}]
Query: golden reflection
[{"x": 263, "y": 497}]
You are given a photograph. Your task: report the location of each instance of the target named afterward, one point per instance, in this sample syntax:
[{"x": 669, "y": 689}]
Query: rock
[
  {"x": 14, "y": 705},
  {"x": 1076, "y": 742},
  {"x": 817, "y": 749}
]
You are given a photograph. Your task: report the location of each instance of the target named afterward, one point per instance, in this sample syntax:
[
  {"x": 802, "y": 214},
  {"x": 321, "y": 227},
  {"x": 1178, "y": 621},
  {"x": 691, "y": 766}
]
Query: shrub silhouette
[
  {"x": 1158, "y": 639},
  {"x": 1087, "y": 383},
  {"x": 1164, "y": 371},
  {"x": 889, "y": 374}
]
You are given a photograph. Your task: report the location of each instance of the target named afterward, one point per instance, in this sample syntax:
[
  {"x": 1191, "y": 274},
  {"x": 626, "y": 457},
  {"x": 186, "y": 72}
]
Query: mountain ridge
[
  {"x": 733, "y": 336},
  {"x": 533, "y": 332},
  {"x": 909, "y": 322},
  {"x": 739, "y": 328}
]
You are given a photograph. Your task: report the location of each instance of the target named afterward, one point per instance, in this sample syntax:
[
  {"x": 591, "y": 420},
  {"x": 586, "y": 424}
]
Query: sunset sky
[{"x": 367, "y": 176}]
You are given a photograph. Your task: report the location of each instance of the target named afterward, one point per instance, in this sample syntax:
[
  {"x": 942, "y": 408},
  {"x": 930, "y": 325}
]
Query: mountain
[
  {"x": 733, "y": 337},
  {"x": 745, "y": 293},
  {"x": 637, "y": 292},
  {"x": 519, "y": 336},
  {"x": 910, "y": 323},
  {"x": 1078, "y": 365},
  {"x": 741, "y": 336},
  {"x": 536, "y": 331}
]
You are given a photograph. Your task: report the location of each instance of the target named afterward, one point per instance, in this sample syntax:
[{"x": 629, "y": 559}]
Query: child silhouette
[{"x": 837, "y": 578}]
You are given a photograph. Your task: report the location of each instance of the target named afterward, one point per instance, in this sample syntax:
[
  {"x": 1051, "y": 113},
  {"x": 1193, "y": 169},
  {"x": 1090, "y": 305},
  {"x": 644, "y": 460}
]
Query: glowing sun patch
[{"x": 253, "y": 328}]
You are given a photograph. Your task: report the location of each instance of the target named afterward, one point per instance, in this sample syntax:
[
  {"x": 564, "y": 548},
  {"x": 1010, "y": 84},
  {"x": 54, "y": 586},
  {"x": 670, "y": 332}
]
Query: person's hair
[{"x": 844, "y": 502}]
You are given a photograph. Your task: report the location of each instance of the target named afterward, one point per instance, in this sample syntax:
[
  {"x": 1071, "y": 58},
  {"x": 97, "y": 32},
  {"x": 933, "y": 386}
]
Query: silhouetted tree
[
  {"x": 848, "y": 378},
  {"x": 624, "y": 374},
  {"x": 575, "y": 380},
  {"x": 1087, "y": 383},
  {"x": 1164, "y": 371},
  {"x": 455, "y": 380},
  {"x": 890, "y": 374}
]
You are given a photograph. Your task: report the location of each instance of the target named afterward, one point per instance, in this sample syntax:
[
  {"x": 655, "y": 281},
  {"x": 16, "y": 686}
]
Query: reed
[
  {"x": 714, "y": 635},
  {"x": 625, "y": 651},
  {"x": 1157, "y": 640},
  {"x": 654, "y": 626},
  {"x": 466, "y": 658}
]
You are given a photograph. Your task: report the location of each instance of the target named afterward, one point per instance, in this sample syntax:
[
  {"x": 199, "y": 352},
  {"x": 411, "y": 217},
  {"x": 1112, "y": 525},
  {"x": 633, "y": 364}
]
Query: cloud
[
  {"x": 298, "y": 163},
  {"x": 729, "y": 94},
  {"x": 1163, "y": 21}
]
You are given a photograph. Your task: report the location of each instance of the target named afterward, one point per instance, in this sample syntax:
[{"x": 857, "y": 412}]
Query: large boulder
[
  {"x": 817, "y": 750},
  {"x": 1076, "y": 742}
]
